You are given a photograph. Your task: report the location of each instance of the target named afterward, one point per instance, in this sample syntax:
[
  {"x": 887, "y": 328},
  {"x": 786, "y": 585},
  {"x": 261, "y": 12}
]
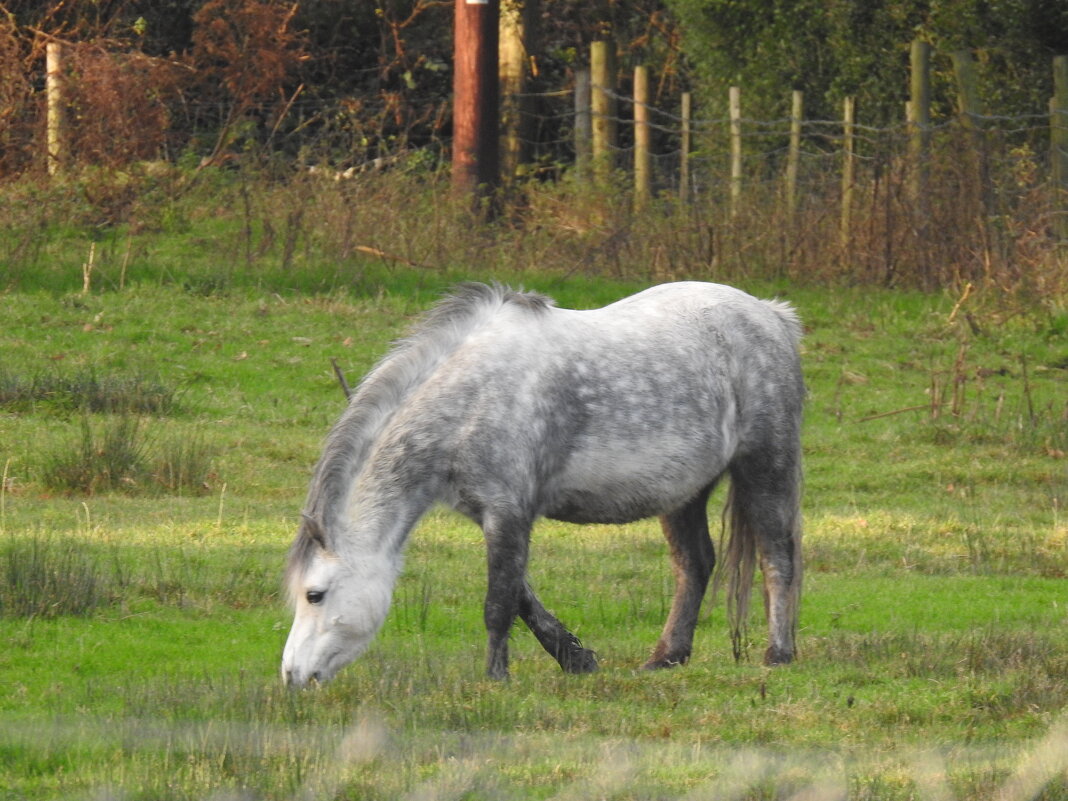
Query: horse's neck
[
  {"x": 351, "y": 444},
  {"x": 382, "y": 392},
  {"x": 386, "y": 500},
  {"x": 344, "y": 456}
]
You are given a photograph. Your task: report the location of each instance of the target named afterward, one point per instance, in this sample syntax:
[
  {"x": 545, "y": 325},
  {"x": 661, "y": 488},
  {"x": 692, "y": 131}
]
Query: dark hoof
[
  {"x": 777, "y": 656},
  {"x": 580, "y": 661},
  {"x": 660, "y": 663}
]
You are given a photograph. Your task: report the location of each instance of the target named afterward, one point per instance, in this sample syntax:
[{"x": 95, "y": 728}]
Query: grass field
[{"x": 143, "y": 621}]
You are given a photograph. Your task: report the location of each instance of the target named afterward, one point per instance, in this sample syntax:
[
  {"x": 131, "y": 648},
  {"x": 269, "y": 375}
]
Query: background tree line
[
  {"x": 370, "y": 77},
  {"x": 859, "y": 48}
]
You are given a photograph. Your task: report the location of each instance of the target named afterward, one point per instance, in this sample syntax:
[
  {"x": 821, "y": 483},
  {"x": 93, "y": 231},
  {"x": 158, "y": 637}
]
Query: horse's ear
[{"x": 314, "y": 529}]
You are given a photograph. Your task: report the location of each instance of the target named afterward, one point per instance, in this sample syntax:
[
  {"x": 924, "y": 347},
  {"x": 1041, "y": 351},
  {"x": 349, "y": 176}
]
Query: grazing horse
[{"x": 508, "y": 409}]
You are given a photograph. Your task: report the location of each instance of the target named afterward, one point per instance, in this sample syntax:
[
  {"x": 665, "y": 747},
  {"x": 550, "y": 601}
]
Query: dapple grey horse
[{"x": 509, "y": 409}]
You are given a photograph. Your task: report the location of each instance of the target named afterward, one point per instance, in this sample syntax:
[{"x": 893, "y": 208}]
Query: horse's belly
[
  {"x": 604, "y": 509},
  {"x": 616, "y": 504},
  {"x": 628, "y": 484}
]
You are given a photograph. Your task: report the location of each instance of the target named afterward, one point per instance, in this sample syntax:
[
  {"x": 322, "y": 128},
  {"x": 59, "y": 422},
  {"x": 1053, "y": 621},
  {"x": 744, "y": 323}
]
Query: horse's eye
[{"x": 315, "y": 596}]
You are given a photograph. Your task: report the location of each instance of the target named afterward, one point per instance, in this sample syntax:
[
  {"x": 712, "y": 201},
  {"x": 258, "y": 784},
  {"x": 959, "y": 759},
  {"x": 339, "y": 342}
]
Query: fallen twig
[
  {"x": 960, "y": 302},
  {"x": 388, "y": 256},
  {"x": 341, "y": 379},
  {"x": 895, "y": 411}
]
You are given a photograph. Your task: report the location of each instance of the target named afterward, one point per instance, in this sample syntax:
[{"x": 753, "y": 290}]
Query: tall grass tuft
[
  {"x": 118, "y": 455},
  {"x": 46, "y": 578},
  {"x": 86, "y": 390},
  {"x": 184, "y": 464},
  {"x": 110, "y": 457}
]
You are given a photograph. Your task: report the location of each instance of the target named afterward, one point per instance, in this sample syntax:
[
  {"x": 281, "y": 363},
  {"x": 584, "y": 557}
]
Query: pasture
[{"x": 143, "y": 619}]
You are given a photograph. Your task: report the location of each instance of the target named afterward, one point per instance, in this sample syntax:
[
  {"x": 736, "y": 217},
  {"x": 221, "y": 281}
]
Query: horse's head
[{"x": 339, "y": 603}]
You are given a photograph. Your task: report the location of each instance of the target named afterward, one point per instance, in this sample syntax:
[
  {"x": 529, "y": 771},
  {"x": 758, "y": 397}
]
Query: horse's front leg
[
  {"x": 506, "y": 558},
  {"x": 561, "y": 644}
]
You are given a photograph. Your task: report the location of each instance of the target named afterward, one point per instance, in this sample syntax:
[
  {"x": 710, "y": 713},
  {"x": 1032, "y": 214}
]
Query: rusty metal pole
[{"x": 476, "y": 104}]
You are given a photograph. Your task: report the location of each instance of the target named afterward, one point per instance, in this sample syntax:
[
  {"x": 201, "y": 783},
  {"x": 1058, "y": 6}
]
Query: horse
[{"x": 508, "y": 408}]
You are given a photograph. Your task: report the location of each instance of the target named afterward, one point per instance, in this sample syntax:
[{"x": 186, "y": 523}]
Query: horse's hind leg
[
  {"x": 765, "y": 509},
  {"x": 561, "y": 644},
  {"x": 692, "y": 558}
]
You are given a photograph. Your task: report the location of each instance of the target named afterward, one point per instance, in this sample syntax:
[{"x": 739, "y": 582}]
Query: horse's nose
[{"x": 290, "y": 681}]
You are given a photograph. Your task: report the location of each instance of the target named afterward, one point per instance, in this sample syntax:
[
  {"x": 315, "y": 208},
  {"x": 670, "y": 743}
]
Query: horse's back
[
  {"x": 616, "y": 413},
  {"x": 713, "y": 303}
]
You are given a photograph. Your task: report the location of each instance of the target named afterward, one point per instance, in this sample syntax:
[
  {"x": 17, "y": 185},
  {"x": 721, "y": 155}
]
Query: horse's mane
[{"x": 409, "y": 363}]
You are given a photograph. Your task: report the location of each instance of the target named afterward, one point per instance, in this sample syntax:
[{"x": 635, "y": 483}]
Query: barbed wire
[{"x": 354, "y": 131}]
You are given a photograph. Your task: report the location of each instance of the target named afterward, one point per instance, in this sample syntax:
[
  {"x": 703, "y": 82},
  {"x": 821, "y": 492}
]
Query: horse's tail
[
  {"x": 787, "y": 315},
  {"x": 737, "y": 565},
  {"x": 739, "y": 553},
  {"x": 771, "y": 519}
]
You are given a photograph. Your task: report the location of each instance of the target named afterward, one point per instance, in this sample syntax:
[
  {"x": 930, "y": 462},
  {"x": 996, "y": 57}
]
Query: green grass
[{"x": 934, "y": 645}]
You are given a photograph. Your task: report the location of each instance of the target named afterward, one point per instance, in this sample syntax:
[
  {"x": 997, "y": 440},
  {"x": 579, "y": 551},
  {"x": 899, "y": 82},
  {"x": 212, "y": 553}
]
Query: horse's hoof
[
  {"x": 661, "y": 663},
  {"x": 778, "y": 656},
  {"x": 658, "y": 664},
  {"x": 581, "y": 661}
]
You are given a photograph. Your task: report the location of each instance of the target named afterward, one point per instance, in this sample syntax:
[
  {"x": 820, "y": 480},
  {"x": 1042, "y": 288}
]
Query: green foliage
[
  {"x": 108, "y": 458},
  {"x": 227, "y": 81},
  {"x": 184, "y": 463},
  {"x": 213, "y": 231},
  {"x": 860, "y": 49}
]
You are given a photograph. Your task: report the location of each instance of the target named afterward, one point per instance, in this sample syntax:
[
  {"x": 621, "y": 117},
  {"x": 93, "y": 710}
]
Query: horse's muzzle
[{"x": 297, "y": 681}]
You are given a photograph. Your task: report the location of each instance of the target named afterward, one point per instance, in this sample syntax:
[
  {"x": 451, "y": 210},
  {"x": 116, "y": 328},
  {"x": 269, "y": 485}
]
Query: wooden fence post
[
  {"x": 643, "y": 155},
  {"x": 849, "y": 107},
  {"x": 967, "y": 88},
  {"x": 684, "y": 147},
  {"x": 736, "y": 147},
  {"x": 56, "y": 138},
  {"x": 968, "y": 111},
  {"x": 583, "y": 124},
  {"x": 919, "y": 116},
  {"x": 516, "y": 29},
  {"x": 1059, "y": 145},
  {"x": 476, "y": 99},
  {"x": 793, "y": 156},
  {"x": 603, "y": 105}
]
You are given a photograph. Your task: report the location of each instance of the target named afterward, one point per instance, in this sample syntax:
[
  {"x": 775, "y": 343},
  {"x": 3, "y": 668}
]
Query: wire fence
[
  {"x": 111, "y": 109},
  {"x": 961, "y": 198},
  {"x": 1019, "y": 145},
  {"x": 966, "y": 197}
]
